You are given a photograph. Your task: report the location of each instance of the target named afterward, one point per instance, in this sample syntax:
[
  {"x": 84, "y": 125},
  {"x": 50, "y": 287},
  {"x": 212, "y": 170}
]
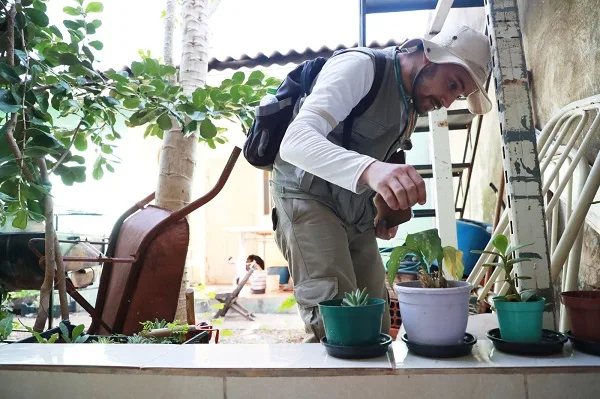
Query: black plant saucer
[
  {"x": 441, "y": 351},
  {"x": 589, "y": 347},
  {"x": 359, "y": 352},
  {"x": 552, "y": 343}
]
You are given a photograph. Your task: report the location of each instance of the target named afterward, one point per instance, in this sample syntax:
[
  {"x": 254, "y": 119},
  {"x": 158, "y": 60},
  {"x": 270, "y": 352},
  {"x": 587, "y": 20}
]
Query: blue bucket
[{"x": 471, "y": 235}]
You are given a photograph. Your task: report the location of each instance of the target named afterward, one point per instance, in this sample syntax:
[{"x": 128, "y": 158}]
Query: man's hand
[{"x": 400, "y": 185}]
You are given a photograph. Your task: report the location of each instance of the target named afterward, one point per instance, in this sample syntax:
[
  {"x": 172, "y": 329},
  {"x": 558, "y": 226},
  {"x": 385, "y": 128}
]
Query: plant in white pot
[{"x": 434, "y": 310}]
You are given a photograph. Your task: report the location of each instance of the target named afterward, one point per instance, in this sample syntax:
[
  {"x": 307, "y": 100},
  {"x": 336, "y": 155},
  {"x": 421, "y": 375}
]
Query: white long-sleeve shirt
[{"x": 343, "y": 81}]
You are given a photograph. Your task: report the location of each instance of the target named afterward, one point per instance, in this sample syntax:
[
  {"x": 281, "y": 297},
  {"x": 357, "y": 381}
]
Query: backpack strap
[{"x": 366, "y": 102}]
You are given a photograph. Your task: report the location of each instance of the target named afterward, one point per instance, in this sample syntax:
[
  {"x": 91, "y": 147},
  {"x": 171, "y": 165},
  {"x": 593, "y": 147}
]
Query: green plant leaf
[
  {"x": 207, "y": 129},
  {"x": 152, "y": 66},
  {"x": 52, "y": 339},
  {"x": 514, "y": 249},
  {"x": 493, "y": 264},
  {"x": 94, "y": 6},
  {"x": 71, "y": 24},
  {"x": 65, "y": 332},
  {"x": 7, "y": 102},
  {"x": 82, "y": 339},
  {"x": 136, "y": 67},
  {"x": 479, "y": 252},
  {"x": 217, "y": 306},
  {"x": 453, "y": 262},
  {"x": 226, "y": 333},
  {"x": 238, "y": 78},
  {"x": 6, "y": 326},
  {"x": 98, "y": 45},
  {"x": 20, "y": 220},
  {"x": 427, "y": 243},
  {"x": 131, "y": 103},
  {"x": 198, "y": 97},
  {"x": 500, "y": 242},
  {"x": 529, "y": 295},
  {"x": 37, "y": 17},
  {"x": 256, "y": 75},
  {"x": 287, "y": 304},
  {"x": 8, "y": 73},
  {"x": 393, "y": 264},
  {"x": 168, "y": 70},
  {"x": 98, "y": 172},
  {"x": 164, "y": 121},
  {"x": 80, "y": 142},
  {"x": 77, "y": 331},
  {"x": 517, "y": 260},
  {"x": 68, "y": 59},
  {"x": 71, "y": 11}
]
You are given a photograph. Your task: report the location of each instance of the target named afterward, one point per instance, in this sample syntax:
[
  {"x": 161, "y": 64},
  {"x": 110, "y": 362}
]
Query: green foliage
[
  {"x": 508, "y": 259},
  {"x": 7, "y": 322},
  {"x": 6, "y": 325},
  {"x": 287, "y": 304},
  {"x": 41, "y": 340},
  {"x": 427, "y": 247},
  {"x": 67, "y": 114},
  {"x": 178, "y": 333},
  {"x": 356, "y": 298},
  {"x": 76, "y": 336}
]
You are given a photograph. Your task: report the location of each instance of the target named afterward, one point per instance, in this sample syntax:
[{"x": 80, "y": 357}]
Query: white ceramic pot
[{"x": 434, "y": 316}]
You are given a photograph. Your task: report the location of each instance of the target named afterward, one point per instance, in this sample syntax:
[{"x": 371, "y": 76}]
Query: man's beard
[{"x": 419, "y": 81}]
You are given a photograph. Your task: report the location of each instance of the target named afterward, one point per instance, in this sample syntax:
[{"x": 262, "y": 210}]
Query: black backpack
[{"x": 272, "y": 120}]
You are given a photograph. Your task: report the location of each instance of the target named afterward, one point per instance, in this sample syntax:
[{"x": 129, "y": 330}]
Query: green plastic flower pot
[
  {"x": 352, "y": 325},
  {"x": 520, "y": 321}
]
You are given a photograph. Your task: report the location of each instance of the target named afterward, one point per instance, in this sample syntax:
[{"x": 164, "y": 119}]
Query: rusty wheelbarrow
[{"x": 143, "y": 264}]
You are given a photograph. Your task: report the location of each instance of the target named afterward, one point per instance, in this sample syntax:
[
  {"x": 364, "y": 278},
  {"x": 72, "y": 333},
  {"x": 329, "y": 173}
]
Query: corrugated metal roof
[{"x": 290, "y": 57}]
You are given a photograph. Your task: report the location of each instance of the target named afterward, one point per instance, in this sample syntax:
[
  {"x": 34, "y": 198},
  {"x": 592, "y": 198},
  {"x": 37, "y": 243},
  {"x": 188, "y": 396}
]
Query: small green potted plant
[
  {"x": 519, "y": 313},
  {"x": 354, "y": 320},
  {"x": 434, "y": 309}
]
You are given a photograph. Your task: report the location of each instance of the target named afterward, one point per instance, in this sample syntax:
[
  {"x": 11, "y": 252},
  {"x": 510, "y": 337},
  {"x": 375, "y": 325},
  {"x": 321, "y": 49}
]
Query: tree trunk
[
  {"x": 50, "y": 256},
  {"x": 169, "y": 29},
  {"x": 178, "y": 153}
]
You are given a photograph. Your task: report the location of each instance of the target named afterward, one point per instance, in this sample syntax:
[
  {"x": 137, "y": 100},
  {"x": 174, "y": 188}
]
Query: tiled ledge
[
  {"x": 248, "y": 371},
  {"x": 269, "y": 360}
]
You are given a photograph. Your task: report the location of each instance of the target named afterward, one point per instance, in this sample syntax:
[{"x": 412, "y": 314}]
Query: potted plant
[
  {"x": 434, "y": 310},
  {"x": 583, "y": 312},
  {"x": 354, "y": 320},
  {"x": 519, "y": 313}
]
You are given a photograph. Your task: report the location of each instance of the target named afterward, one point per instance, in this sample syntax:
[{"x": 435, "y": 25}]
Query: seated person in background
[{"x": 258, "y": 279}]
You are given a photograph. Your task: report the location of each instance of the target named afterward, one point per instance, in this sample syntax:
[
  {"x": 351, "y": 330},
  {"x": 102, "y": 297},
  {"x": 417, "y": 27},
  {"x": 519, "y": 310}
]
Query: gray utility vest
[{"x": 378, "y": 133}]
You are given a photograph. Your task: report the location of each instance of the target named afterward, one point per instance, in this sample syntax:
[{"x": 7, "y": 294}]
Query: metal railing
[{"x": 563, "y": 166}]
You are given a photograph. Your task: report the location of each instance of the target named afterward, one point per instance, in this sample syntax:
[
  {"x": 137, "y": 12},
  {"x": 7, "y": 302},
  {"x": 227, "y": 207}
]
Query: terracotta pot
[{"x": 583, "y": 311}]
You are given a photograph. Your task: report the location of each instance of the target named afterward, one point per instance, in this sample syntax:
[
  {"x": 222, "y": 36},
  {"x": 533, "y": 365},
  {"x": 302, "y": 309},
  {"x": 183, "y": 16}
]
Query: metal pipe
[
  {"x": 550, "y": 135},
  {"x": 547, "y": 158},
  {"x": 576, "y": 133},
  {"x": 584, "y": 104},
  {"x": 571, "y": 272},
  {"x": 575, "y": 161},
  {"x": 583, "y": 205}
]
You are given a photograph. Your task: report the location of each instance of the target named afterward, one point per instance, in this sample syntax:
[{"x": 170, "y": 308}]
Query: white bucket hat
[{"x": 464, "y": 46}]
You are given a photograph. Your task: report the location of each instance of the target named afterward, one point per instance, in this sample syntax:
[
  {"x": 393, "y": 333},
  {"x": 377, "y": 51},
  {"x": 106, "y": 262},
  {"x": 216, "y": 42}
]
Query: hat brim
[{"x": 478, "y": 102}]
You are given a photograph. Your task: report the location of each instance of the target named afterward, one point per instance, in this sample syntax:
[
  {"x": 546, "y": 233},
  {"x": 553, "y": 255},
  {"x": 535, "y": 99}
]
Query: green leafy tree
[{"x": 56, "y": 108}]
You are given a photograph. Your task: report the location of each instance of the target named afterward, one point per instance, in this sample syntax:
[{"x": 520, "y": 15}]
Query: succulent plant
[{"x": 356, "y": 298}]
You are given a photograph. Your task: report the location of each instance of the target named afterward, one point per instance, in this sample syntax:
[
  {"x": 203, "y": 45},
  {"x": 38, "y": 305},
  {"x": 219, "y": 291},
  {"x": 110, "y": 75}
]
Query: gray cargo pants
[{"x": 327, "y": 258}]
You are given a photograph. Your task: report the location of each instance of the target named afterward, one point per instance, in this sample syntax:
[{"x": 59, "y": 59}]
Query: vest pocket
[{"x": 367, "y": 129}]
